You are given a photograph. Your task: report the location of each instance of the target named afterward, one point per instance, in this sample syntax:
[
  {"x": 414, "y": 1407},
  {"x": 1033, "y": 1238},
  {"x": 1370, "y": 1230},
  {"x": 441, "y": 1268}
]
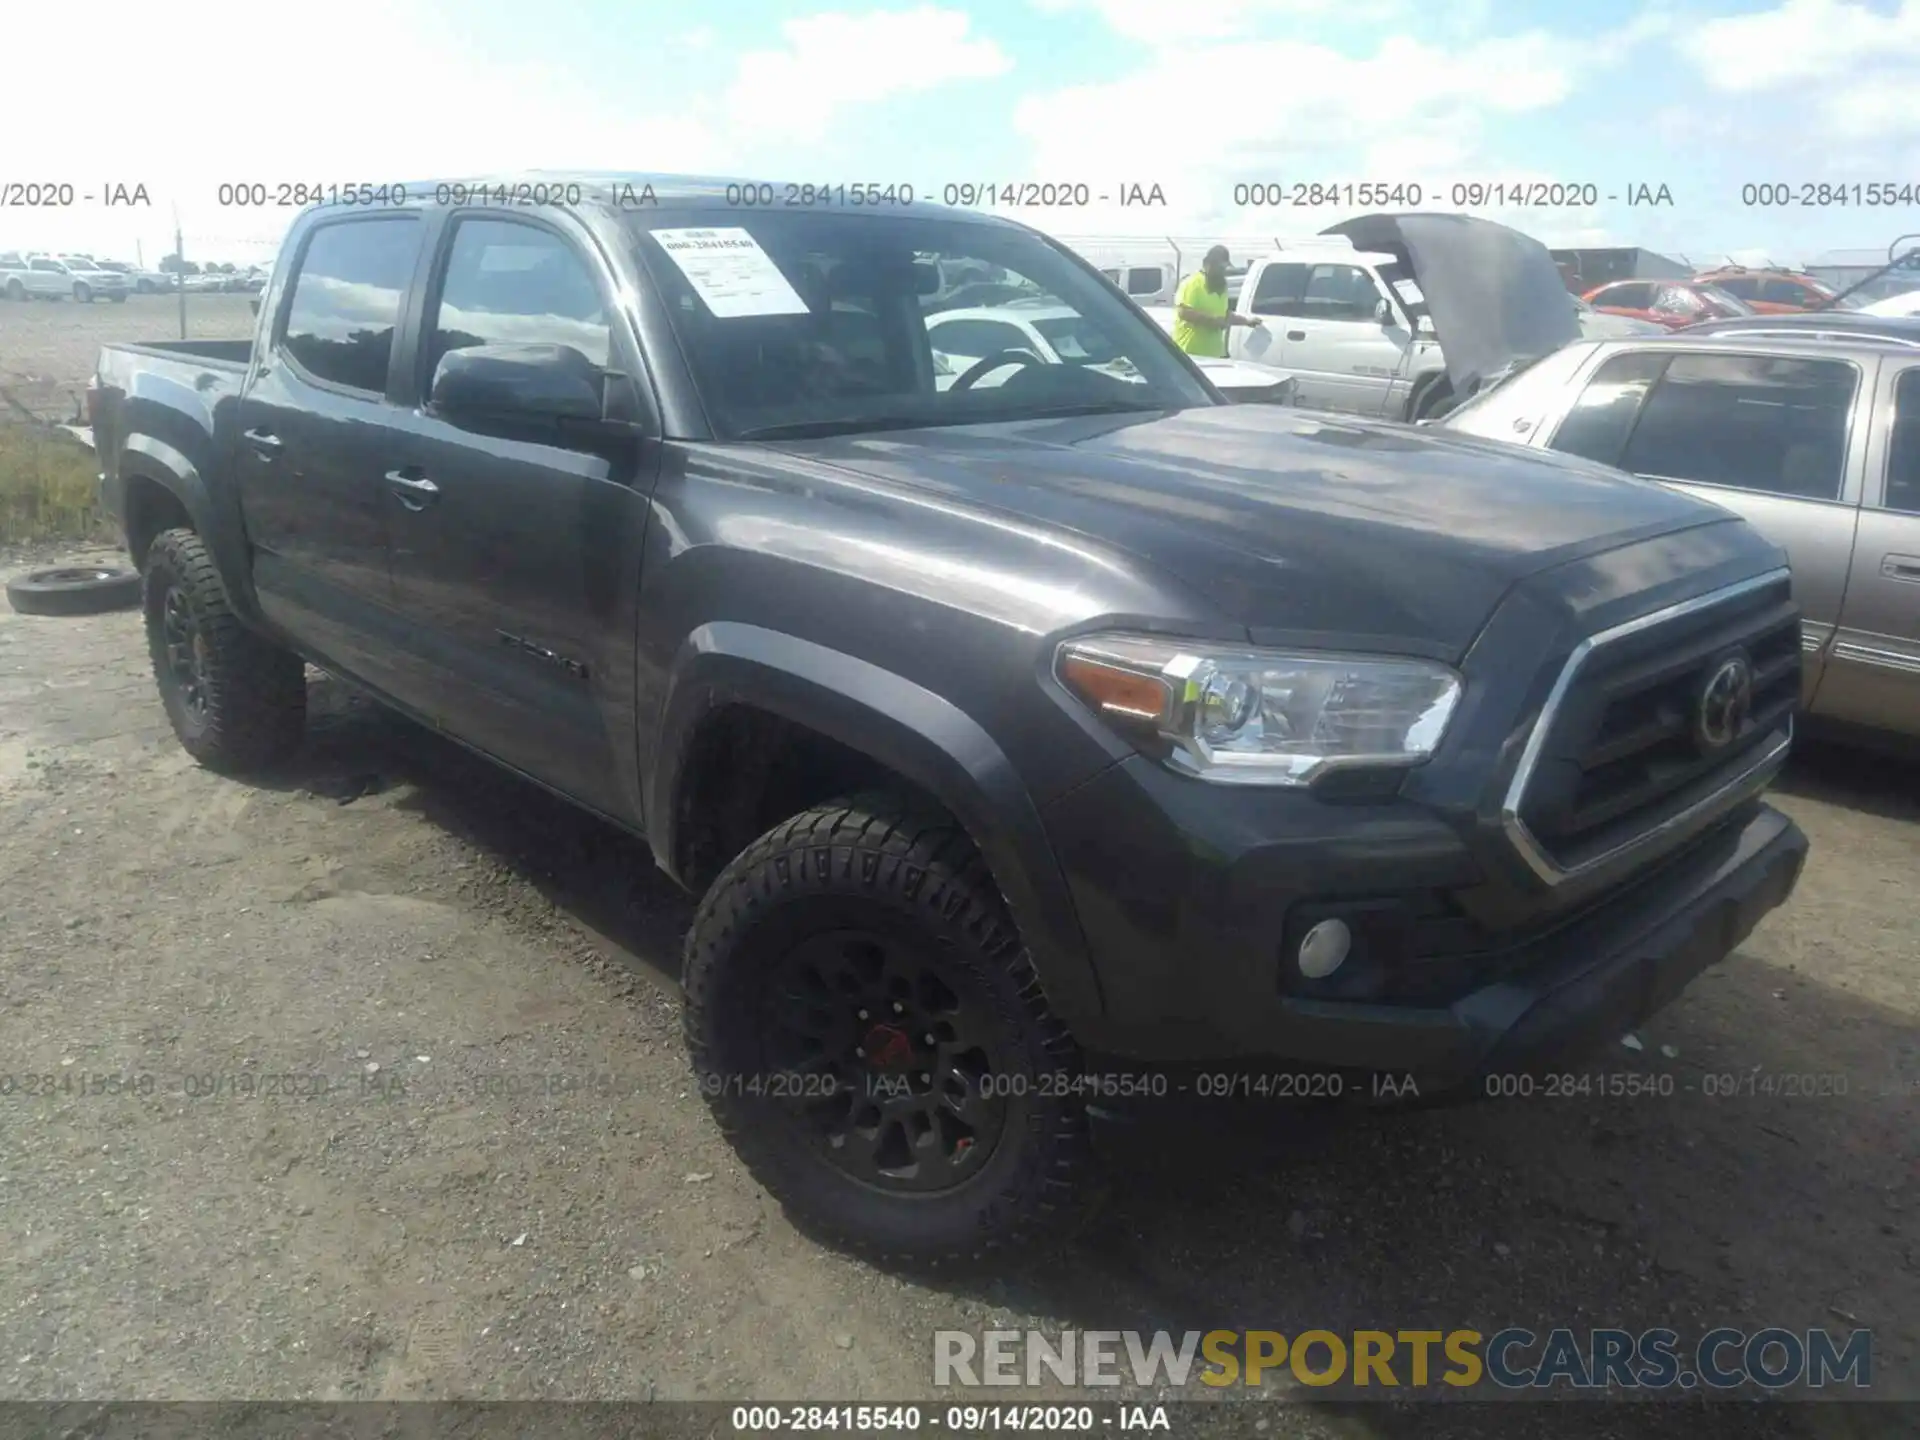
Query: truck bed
[{"x": 233, "y": 354}]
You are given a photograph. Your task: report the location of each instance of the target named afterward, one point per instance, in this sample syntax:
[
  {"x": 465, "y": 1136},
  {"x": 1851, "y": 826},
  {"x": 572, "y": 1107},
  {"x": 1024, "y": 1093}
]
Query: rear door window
[
  {"x": 1144, "y": 281},
  {"x": 347, "y": 299},
  {"x": 1903, "y": 453},
  {"x": 1601, "y": 419},
  {"x": 1764, "y": 423}
]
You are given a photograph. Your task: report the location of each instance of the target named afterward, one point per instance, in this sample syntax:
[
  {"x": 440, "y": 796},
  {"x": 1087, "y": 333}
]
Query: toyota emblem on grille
[{"x": 1724, "y": 704}]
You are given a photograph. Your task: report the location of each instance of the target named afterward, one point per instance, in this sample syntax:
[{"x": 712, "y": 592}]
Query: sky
[{"x": 1703, "y": 100}]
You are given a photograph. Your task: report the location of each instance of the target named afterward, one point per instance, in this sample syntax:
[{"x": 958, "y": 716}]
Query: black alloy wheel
[{"x": 907, "y": 1059}]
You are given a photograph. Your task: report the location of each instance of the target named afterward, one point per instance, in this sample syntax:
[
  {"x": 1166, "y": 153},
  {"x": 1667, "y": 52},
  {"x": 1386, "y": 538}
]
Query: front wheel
[
  {"x": 16, "y": 291},
  {"x": 871, "y": 1037},
  {"x": 82, "y": 293},
  {"x": 236, "y": 701}
]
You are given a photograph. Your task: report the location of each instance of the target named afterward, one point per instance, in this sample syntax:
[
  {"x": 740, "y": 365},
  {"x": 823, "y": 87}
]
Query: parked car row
[
  {"x": 37, "y": 275},
  {"x": 59, "y": 277}
]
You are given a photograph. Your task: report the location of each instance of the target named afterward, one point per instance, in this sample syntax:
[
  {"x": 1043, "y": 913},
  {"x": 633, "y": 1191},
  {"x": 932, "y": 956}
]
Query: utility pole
[{"x": 180, "y": 270}]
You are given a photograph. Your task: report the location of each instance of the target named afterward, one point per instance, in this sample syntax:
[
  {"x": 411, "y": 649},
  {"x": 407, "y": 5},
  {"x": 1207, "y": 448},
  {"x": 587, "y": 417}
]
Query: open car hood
[{"x": 1495, "y": 295}]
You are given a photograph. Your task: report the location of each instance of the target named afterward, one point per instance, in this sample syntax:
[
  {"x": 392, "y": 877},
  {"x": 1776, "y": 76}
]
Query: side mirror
[
  {"x": 926, "y": 278},
  {"x": 537, "y": 383},
  {"x": 254, "y": 305},
  {"x": 1383, "y": 312}
]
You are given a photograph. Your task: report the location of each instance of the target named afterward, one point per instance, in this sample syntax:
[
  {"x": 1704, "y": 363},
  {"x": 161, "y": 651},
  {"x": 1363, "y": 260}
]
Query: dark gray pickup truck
[{"x": 1036, "y": 734}]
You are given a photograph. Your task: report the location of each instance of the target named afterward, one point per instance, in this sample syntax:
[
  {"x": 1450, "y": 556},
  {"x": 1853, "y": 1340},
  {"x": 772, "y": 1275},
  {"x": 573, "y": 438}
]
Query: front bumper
[{"x": 1193, "y": 950}]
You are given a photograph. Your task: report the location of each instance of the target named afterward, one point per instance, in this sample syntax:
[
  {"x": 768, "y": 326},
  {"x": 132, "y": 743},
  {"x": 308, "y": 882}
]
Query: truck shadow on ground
[{"x": 1723, "y": 1200}]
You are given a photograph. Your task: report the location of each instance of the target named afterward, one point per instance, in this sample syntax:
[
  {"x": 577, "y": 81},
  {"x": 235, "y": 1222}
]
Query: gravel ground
[
  {"x": 48, "y": 347},
  {"x": 483, "y": 1174}
]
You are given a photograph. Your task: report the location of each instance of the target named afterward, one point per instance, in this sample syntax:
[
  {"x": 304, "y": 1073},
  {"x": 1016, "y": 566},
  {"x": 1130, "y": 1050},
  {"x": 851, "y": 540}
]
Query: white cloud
[
  {"x": 1183, "y": 22},
  {"x": 461, "y": 110},
  {"x": 1290, "y": 111},
  {"x": 1850, "y": 74},
  {"x": 832, "y": 62},
  {"x": 1801, "y": 40}
]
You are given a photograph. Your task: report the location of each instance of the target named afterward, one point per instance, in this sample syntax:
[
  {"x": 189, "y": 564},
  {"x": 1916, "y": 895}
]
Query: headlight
[{"x": 1261, "y": 717}]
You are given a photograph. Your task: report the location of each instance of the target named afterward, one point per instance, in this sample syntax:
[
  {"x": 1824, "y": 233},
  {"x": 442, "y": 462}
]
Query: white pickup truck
[
  {"x": 56, "y": 277},
  {"x": 1350, "y": 315}
]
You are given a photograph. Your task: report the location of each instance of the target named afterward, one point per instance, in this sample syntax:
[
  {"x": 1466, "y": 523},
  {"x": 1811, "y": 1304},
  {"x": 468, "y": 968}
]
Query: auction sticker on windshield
[
  {"x": 732, "y": 273},
  {"x": 1409, "y": 292}
]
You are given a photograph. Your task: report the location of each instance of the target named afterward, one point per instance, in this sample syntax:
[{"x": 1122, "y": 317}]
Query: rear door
[
  {"x": 1873, "y": 677},
  {"x": 1779, "y": 440},
  {"x": 312, "y": 429},
  {"x": 516, "y": 556}
]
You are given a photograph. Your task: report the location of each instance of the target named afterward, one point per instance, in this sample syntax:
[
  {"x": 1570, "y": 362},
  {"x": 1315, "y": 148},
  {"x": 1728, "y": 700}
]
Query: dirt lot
[
  {"x": 485, "y": 1176},
  {"x": 48, "y": 348}
]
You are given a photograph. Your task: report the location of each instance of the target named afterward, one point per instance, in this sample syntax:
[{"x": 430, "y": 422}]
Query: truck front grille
[{"x": 1662, "y": 720}]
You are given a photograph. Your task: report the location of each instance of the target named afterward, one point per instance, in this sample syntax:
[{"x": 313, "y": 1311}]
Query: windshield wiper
[{"x": 810, "y": 429}]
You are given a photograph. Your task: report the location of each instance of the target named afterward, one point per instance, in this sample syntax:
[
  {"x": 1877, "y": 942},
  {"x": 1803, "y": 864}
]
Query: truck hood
[
  {"x": 1293, "y": 524},
  {"x": 1495, "y": 295}
]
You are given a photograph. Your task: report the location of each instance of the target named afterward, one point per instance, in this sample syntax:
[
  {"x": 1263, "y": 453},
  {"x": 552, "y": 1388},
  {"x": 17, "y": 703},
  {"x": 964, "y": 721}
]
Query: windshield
[{"x": 813, "y": 322}]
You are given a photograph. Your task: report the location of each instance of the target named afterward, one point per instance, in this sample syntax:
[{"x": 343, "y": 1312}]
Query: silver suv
[{"x": 1815, "y": 441}]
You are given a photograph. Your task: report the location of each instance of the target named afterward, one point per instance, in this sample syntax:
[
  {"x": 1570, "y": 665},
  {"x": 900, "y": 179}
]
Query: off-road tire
[
  {"x": 255, "y": 693},
  {"x": 877, "y": 855}
]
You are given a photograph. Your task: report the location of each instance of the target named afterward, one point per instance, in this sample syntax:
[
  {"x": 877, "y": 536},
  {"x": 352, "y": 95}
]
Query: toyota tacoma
[{"x": 1024, "y": 740}]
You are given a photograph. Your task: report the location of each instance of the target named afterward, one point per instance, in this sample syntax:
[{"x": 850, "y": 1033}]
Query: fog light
[{"x": 1324, "y": 950}]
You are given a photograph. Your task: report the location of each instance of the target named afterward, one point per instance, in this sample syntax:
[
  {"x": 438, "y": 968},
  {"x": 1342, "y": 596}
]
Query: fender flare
[
  {"x": 146, "y": 457},
  {"x": 913, "y": 732}
]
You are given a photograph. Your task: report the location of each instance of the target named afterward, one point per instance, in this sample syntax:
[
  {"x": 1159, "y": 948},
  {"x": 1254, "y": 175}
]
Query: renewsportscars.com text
[{"x": 1509, "y": 1359}]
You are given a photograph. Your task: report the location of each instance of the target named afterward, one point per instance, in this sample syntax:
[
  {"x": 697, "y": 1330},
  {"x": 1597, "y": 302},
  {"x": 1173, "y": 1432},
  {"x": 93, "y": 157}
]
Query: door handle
[
  {"x": 1901, "y": 567},
  {"x": 415, "y": 491},
  {"x": 265, "y": 441},
  {"x": 1296, "y": 334}
]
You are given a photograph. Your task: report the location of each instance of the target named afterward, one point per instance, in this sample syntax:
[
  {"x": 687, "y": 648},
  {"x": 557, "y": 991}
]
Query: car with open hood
[
  {"x": 1035, "y": 746},
  {"x": 1394, "y": 316}
]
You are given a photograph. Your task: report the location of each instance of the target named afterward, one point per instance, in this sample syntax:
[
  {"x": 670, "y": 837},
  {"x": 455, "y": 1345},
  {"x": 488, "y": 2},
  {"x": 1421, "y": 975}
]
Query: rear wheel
[
  {"x": 871, "y": 1036},
  {"x": 237, "y": 701}
]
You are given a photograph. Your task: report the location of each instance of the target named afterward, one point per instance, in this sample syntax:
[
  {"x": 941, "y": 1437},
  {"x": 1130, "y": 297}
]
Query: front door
[
  {"x": 1873, "y": 678},
  {"x": 1326, "y": 320},
  {"x": 516, "y": 559}
]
